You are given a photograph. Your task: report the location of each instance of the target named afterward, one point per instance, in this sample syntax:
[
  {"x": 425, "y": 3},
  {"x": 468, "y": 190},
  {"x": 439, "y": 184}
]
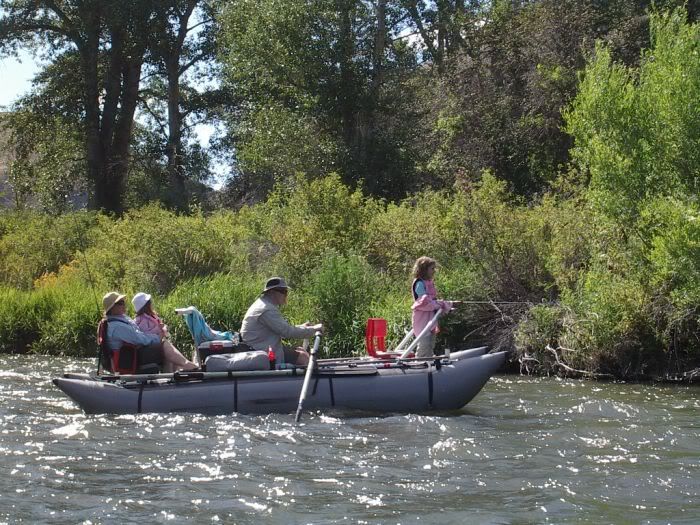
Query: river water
[{"x": 526, "y": 450}]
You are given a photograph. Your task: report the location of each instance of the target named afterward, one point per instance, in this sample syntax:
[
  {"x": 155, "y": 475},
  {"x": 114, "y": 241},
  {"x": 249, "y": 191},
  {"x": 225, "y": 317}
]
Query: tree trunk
[
  {"x": 366, "y": 115},
  {"x": 88, "y": 48},
  {"x": 117, "y": 168},
  {"x": 379, "y": 47},
  {"x": 412, "y": 7},
  {"x": 456, "y": 40},
  {"x": 346, "y": 40},
  {"x": 177, "y": 194},
  {"x": 442, "y": 23}
]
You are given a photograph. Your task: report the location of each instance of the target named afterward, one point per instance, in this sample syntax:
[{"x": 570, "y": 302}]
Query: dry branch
[{"x": 568, "y": 369}]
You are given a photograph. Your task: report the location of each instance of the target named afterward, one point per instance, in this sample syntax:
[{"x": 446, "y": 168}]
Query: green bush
[
  {"x": 21, "y": 314},
  {"x": 57, "y": 320},
  {"x": 71, "y": 327},
  {"x": 506, "y": 241},
  {"x": 297, "y": 226},
  {"x": 421, "y": 225},
  {"x": 613, "y": 330},
  {"x": 675, "y": 274},
  {"x": 222, "y": 298},
  {"x": 636, "y": 131},
  {"x": 340, "y": 293},
  {"x": 574, "y": 229},
  {"x": 33, "y": 244},
  {"x": 543, "y": 325},
  {"x": 675, "y": 251},
  {"x": 154, "y": 249}
]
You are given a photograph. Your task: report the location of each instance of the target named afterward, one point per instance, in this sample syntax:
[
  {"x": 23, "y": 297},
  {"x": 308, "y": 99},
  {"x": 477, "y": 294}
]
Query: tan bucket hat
[{"x": 110, "y": 299}]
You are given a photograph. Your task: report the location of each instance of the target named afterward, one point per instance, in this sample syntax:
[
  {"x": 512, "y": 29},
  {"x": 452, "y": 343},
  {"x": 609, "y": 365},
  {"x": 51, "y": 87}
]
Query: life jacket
[{"x": 429, "y": 288}]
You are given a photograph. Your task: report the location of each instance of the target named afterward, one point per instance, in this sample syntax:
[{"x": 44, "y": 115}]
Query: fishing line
[{"x": 493, "y": 302}]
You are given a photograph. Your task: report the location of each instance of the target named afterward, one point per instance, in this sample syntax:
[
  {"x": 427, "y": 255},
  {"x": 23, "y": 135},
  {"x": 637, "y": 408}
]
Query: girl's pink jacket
[
  {"x": 150, "y": 324},
  {"x": 424, "y": 307}
]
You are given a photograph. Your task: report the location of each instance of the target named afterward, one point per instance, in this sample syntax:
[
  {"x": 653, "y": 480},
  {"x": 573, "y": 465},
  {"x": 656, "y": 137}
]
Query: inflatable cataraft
[
  {"x": 409, "y": 385},
  {"x": 381, "y": 382}
]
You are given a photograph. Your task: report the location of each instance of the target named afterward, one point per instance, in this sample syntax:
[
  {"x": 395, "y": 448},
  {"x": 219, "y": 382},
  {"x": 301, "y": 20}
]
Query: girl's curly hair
[{"x": 420, "y": 268}]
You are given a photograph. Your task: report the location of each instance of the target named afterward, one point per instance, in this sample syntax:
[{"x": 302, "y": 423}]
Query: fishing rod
[
  {"x": 492, "y": 302},
  {"x": 94, "y": 294}
]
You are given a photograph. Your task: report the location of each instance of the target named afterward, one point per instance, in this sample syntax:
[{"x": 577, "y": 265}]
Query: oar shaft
[
  {"x": 425, "y": 330},
  {"x": 307, "y": 377},
  {"x": 197, "y": 375},
  {"x": 404, "y": 341}
]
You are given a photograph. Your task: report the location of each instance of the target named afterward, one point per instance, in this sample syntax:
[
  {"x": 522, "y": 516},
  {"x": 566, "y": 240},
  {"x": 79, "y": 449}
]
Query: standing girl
[
  {"x": 148, "y": 322},
  {"x": 425, "y": 304}
]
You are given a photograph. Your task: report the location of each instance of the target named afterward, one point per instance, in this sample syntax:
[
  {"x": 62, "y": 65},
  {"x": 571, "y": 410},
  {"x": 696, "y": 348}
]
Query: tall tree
[
  {"x": 111, "y": 38},
  {"x": 184, "y": 50},
  {"x": 324, "y": 64},
  {"x": 116, "y": 45},
  {"x": 498, "y": 104},
  {"x": 441, "y": 25},
  {"x": 45, "y": 136}
]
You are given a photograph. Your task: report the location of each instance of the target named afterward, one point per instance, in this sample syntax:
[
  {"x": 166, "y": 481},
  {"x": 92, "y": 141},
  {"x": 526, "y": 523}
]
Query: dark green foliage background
[{"x": 544, "y": 152}]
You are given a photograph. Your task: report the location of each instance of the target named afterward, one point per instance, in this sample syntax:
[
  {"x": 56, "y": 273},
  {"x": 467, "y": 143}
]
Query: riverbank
[{"x": 347, "y": 256}]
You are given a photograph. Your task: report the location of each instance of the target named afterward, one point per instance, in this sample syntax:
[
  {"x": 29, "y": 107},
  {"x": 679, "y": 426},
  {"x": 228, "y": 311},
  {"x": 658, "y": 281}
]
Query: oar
[
  {"x": 179, "y": 376},
  {"x": 307, "y": 378},
  {"x": 425, "y": 330}
]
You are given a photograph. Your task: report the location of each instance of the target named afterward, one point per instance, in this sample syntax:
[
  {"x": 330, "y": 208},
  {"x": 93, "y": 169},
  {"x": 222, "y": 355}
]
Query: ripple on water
[{"x": 526, "y": 450}]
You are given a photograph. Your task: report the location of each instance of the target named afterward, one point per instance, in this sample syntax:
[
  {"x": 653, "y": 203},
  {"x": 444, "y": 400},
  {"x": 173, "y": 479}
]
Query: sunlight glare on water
[{"x": 526, "y": 450}]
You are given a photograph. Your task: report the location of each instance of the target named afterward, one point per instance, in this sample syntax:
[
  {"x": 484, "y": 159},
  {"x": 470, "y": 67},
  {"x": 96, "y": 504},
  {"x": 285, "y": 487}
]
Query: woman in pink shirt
[
  {"x": 425, "y": 304},
  {"x": 148, "y": 322}
]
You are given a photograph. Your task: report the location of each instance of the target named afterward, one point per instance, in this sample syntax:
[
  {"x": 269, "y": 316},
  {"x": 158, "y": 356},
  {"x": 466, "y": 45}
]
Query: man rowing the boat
[{"x": 264, "y": 327}]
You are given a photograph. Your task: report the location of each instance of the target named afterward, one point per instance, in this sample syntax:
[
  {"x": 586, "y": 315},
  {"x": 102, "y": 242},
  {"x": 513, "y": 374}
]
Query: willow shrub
[
  {"x": 615, "y": 332},
  {"x": 675, "y": 276},
  {"x": 55, "y": 318},
  {"x": 298, "y": 225},
  {"x": 421, "y": 225},
  {"x": 21, "y": 315},
  {"x": 340, "y": 293},
  {"x": 607, "y": 326},
  {"x": 152, "y": 249},
  {"x": 32, "y": 244},
  {"x": 636, "y": 131},
  {"x": 540, "y": 327},
  {"x": 70, "y": 327}
]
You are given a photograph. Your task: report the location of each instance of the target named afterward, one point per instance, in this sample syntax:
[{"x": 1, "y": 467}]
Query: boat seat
[
  {"x": 124, "y": 360},
  {"x": 375, "y": 339}
]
